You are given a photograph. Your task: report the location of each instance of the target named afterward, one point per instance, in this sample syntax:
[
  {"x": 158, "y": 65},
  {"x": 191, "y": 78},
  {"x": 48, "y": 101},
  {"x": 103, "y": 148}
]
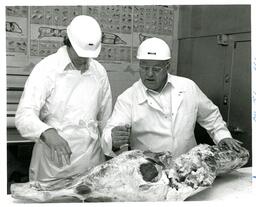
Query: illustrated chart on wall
[
  {"x": 47, "y": 29},
  {"x": 17, "y": 36},
  {"x": 35, "y": 32}
]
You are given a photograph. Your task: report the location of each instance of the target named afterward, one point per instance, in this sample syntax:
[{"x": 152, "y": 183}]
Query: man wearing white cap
[
  {"x": 65, "y": 105},
  {"x": 159, "y": 112}
]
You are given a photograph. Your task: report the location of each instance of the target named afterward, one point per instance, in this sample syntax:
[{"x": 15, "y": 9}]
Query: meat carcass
[{"x": 140, "y": 176}]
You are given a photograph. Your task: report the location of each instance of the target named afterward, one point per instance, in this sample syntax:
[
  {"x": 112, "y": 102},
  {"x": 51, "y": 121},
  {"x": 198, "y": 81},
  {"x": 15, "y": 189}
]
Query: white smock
[
  {"x": 56, "y": 95},
  {"x": 165, "y": 121}
]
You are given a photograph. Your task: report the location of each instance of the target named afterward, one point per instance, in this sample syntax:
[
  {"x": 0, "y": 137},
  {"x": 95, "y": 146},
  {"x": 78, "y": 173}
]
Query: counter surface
[{"x": 234, "y": 185}]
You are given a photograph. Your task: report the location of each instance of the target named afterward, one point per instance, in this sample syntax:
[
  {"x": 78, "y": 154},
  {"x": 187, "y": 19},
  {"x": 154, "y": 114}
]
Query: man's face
[
  {"x": 153, "y": 73},
  {"x": 79, "y": 62}
]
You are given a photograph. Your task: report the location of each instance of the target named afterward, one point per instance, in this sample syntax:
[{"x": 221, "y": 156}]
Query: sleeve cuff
[
  {"x": 106, "y": 143},
  {"x": 221, "y": 135},
  {"x": 37, "y": 134}
]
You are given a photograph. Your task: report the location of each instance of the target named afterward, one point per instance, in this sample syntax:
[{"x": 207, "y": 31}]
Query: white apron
[{"x": 72, "y": 110}]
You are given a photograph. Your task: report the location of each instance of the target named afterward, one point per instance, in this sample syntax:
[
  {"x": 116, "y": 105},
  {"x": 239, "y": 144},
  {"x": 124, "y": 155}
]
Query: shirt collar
[
  {"x": 143, "y": 90},
  {"x": 65, "y": 59}
]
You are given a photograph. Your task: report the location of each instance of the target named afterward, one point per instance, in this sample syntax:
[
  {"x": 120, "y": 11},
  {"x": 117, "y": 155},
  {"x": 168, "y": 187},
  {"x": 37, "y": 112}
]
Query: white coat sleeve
[
  {"x": 209, "y": 117},
  {"x": 121, "y": 115},
  {"x": 106, "y": 104},
  {"x": 33, "y": 98}
]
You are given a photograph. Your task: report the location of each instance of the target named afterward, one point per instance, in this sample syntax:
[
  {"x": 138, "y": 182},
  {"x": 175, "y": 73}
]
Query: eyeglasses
[{"x": 155, "y": 69}]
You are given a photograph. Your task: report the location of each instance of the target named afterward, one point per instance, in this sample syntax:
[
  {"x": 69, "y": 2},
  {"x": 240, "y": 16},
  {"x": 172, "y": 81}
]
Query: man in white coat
[
  {"x": 159, "y": 112},
  {"x": 65, "y": 105}
]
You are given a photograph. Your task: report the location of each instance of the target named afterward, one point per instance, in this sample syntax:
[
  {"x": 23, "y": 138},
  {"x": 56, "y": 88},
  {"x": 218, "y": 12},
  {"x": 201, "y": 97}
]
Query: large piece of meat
[{"x": 140, "y": 176}]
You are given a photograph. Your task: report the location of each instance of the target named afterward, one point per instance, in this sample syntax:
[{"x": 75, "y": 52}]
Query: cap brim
[
  {"x": 152, "y": 58},
  {"x": 91, "y": 54}
]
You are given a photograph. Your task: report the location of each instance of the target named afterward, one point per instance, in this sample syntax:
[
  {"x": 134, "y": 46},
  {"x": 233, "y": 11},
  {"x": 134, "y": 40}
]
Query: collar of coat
[{"x": 176, "y": 87}]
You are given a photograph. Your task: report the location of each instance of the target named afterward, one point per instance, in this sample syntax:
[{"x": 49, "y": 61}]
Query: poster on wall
[
  {"x": 16, "y": 27},
  {"x": 125, "y": 27},
  {"x": 34, "y": 32},
  {"x": 116, "y": 25},
  {"x": 47, "y": 29}
]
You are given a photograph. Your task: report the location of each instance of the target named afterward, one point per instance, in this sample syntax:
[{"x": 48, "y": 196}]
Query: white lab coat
[
  {"x": 156, "y": 129},
  {"x": 56, "y": 95}
]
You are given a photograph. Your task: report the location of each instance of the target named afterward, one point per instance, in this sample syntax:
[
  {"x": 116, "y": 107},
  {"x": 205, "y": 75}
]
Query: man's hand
[
  {"x": 230, "y": 143},
  {"x": 120, "y": 135},
  {"x": 57, "y": 145}
]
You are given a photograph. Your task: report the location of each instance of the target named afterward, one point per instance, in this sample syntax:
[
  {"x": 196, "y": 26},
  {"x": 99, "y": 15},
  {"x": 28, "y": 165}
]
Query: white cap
[
  {"x": 84, "y": 33},
  {"x": 153, "y": 49}
]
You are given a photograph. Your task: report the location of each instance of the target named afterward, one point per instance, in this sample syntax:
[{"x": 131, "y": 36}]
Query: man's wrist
[{"x": 44, "y": 134}]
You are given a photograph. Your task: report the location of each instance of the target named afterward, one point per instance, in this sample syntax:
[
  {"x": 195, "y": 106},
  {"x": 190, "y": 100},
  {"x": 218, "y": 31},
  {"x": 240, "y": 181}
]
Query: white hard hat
[
  {"x": 84, "y": 33},
  {"x": 153, "y": 49}
]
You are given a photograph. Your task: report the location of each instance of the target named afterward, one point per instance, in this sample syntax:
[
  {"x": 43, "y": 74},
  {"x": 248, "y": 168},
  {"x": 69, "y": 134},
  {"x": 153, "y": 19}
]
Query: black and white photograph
[{"x": 127, "y": 102}]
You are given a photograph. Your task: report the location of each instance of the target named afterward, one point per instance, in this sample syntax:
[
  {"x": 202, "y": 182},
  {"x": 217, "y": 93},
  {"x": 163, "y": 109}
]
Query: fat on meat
[{"x": 139, "y": 176}]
